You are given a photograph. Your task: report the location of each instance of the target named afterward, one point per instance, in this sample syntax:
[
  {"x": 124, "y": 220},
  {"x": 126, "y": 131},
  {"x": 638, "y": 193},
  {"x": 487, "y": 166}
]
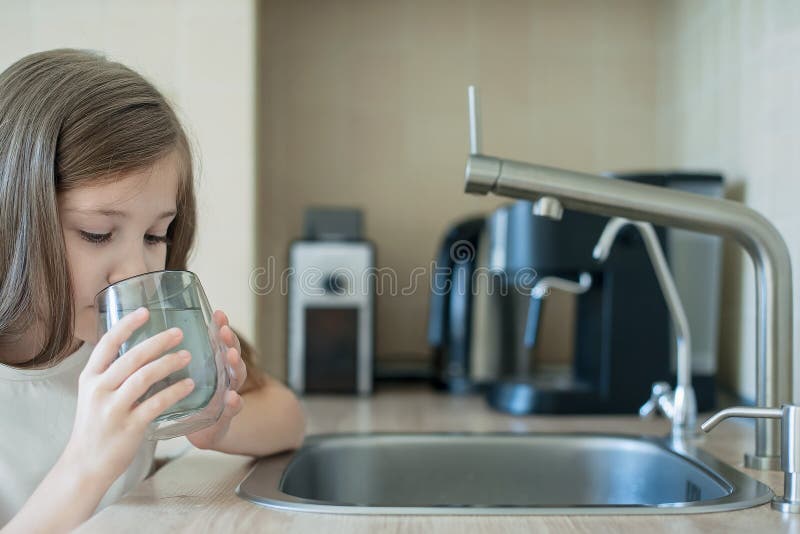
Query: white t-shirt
[{"x": 37, "y": 411}]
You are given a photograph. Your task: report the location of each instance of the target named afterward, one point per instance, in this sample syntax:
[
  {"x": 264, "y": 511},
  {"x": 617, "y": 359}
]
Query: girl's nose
[{"x": 131, "y": 265}]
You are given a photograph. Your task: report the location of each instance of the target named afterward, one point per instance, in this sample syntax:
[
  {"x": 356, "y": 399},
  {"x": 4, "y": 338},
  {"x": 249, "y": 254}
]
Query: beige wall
[
  {"x": 729, "y": 99},
  {"x": 363, "y": 103},
  {"x": 201, "y": 54}
]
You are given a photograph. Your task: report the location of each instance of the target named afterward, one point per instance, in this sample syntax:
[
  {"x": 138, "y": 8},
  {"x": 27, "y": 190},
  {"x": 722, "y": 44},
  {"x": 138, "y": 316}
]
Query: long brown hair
[{"x": 69, "y": 118}]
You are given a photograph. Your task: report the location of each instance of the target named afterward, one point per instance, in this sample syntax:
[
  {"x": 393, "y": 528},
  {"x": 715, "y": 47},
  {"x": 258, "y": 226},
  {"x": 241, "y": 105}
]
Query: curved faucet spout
[
  {"x": 665, "y": 282},
  {"x": 679, "y": 406}
]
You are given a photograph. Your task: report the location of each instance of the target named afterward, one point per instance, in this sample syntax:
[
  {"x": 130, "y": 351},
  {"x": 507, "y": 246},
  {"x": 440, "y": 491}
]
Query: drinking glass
[{"x": 175, "y": 299}]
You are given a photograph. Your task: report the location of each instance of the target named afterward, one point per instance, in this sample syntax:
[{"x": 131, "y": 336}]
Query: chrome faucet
[
  {"x": 789, "y": 416},
  {"x": 616, "y": 198},
  {"x": 680, "y": 405}
]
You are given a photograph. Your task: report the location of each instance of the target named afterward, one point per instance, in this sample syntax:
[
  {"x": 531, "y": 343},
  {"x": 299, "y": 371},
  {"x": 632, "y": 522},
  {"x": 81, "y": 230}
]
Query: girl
[{"x": 96, "y": 186}]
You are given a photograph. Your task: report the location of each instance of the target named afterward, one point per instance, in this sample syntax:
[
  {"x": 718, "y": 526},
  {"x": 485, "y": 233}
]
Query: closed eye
[
  {"x": 97, "y": 239},
  {"x": 156, "y": 239}
]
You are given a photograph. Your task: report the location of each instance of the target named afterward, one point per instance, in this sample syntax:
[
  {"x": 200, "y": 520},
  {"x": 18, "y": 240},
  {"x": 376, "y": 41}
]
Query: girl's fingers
[
  {"x": 226, "y": 333},
  {"x": 229, "y": 338},
  {"x": 140, "y": 381},
  {"x": 233, "y": 404},
  {"x": 108, "y": 347},
  {"x": 238, "y": 370},
  {"x": 145, "y": 412},
  {"x": 220, "y": 318},
  {"x": 143, "y": 353}
]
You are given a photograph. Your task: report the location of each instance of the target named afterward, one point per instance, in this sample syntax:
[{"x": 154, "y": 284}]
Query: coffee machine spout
[{"x": 541, "y": 290}]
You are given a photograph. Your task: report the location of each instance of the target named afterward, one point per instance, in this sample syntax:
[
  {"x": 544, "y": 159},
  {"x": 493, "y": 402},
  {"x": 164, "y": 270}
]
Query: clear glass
[{"x": 175, "y": 299}]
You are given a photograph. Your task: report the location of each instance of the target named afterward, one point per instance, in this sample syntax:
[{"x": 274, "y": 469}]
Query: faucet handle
[
  {"x": 660, "y": 391},
  {"x": 741, "y": 411},
  {"x": 474, "y": 120},
  {"x": 789, "y": 414}
]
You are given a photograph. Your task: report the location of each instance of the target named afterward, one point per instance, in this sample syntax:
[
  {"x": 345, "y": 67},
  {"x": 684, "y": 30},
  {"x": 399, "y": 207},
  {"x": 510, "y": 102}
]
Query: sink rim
[{"x": 745, "y": 491}]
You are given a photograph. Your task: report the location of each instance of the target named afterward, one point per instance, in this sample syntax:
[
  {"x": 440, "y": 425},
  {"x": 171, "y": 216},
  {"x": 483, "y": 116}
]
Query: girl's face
[{"x": 114, "y": 231}]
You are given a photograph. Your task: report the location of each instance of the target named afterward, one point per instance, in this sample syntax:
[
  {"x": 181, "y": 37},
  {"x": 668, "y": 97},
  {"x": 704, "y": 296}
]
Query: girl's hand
[
  {"x": 109, "y": 422},
  {"x": 210, "y": 436}
]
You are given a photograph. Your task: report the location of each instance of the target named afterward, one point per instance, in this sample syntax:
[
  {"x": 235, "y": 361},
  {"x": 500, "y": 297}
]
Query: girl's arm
[
  {"x": 109, "y": 425},
  {"x": 63, "y": 500},
  {"x": 271, "y": 420}
]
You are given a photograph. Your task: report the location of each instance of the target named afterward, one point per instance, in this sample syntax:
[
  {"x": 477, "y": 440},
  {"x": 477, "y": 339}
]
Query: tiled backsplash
[
  {"x": 364, "y": 104},
  {"x": 728, "y": 98}
]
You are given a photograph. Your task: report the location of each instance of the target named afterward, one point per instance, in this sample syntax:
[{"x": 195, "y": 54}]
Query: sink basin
[{"x": 503, "y": 473}]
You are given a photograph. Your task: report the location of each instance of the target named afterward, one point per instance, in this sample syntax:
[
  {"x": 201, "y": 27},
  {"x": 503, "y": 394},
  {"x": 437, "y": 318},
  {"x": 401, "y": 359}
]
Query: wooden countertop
[{"x": 195, "y": 492}]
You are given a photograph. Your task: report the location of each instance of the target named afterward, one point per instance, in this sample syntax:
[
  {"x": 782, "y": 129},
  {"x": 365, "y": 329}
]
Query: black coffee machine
[
  {"x": 622, "y": 325},
  {"x": 622, "y": 335}
]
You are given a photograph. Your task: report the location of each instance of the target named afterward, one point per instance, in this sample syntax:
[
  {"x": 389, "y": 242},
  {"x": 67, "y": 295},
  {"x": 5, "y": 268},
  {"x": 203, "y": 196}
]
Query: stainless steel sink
[{"x": 497, "y": 474}]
